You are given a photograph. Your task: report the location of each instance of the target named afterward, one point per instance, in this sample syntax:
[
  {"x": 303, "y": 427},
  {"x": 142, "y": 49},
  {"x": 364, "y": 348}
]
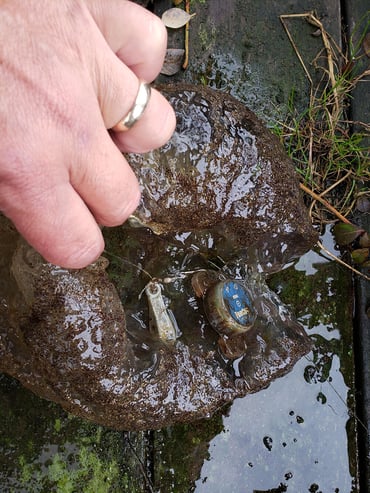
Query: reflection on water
[
  {"x": 299, "y": 434},
  {"x": 291, "y": 435},
  {"x": 295, "y": 436}
]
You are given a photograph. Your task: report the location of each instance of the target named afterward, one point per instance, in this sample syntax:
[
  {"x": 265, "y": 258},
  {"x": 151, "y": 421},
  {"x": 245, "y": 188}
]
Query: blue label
[{"x": 238, "y": 302}]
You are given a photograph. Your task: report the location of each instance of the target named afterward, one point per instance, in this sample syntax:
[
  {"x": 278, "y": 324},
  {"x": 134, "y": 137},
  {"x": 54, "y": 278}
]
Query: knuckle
[
  {"x": 158, "y": 32},
  {"x": 115, "y": 216}
]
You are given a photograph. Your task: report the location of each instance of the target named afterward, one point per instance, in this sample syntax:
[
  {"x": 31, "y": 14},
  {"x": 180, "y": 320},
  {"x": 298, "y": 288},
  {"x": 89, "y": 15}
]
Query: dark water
[{"x": 298, "y": 435}]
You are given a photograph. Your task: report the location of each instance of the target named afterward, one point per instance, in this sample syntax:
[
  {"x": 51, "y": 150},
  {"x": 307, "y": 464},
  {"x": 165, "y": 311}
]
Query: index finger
[{"x": 135, "y": 35}]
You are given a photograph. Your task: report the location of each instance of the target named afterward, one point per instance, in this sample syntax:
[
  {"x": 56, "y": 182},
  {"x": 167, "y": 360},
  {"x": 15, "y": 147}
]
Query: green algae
[{"x": 43, "y": 449}]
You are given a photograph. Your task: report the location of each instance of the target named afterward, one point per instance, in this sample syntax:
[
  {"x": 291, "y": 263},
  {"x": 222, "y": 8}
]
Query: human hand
[{"x": 68, "y": 72}]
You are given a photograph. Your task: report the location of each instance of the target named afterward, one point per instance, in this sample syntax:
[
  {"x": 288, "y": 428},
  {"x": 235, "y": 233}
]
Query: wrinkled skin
[
  {"x": 64, "y": 333},
  {"x": 69, "y": 70}
]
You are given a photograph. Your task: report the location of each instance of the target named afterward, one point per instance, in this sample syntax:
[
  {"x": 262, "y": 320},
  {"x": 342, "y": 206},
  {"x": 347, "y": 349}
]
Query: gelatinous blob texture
[
  {"x": 223, "y": 171},
  {"x": 225, "y": 201}
]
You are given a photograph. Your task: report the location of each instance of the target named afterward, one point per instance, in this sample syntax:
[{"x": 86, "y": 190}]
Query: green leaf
[
  {"x": 345, "y": 234},
  {"x": 360, "y": 255}
]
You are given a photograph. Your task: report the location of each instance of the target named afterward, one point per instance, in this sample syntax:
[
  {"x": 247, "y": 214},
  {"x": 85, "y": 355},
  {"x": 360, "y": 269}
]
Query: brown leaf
[
  {"x": 173, "y": 61},
  {"x": 317, "y": 33},
  {"x": 176, "y": 18},
  {"x": 360, "y": 255},
  {"x": 364, "y": 240},
  {"x": 363, "y": 204}
]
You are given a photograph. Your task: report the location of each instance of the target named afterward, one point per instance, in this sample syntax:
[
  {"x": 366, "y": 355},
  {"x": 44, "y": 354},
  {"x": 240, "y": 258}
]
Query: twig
[
  {"x": 186, "y": 60},
  {"x": 341, "y": 262},
  {"x": 324, "y": 203},
  {"x": 336, "y": 183},
  {"x": 288, "y": 16},
  {"x": 329, "y": 54},
  {"x": 141, "y": 466},
  {"x": 311, "y": 19}
]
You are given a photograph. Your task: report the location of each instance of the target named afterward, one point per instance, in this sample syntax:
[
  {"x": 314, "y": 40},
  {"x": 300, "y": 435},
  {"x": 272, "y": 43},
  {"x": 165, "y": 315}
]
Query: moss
[
  {"x": 177, "y": 468},
  {"x": 324, "y": 288},
  {"x": 207, "y": 36},
  {"x": 44, "y": 449},
  {"x": 90, "y": 473}
]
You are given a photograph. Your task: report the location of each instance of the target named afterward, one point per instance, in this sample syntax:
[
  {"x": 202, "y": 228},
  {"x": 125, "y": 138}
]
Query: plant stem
[
  {"x": 341, "y": 262},
  {"x": 317, "y": 197},
  {"x": 186, "y": 61}
]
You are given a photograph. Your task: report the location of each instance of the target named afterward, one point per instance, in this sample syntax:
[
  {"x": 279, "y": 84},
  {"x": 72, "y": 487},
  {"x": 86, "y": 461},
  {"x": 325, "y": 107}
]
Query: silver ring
[{"x": 137, "y": 110}]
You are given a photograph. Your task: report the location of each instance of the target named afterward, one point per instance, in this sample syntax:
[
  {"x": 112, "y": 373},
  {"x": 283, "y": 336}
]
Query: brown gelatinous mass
[{"x": 223, "y": 171}]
